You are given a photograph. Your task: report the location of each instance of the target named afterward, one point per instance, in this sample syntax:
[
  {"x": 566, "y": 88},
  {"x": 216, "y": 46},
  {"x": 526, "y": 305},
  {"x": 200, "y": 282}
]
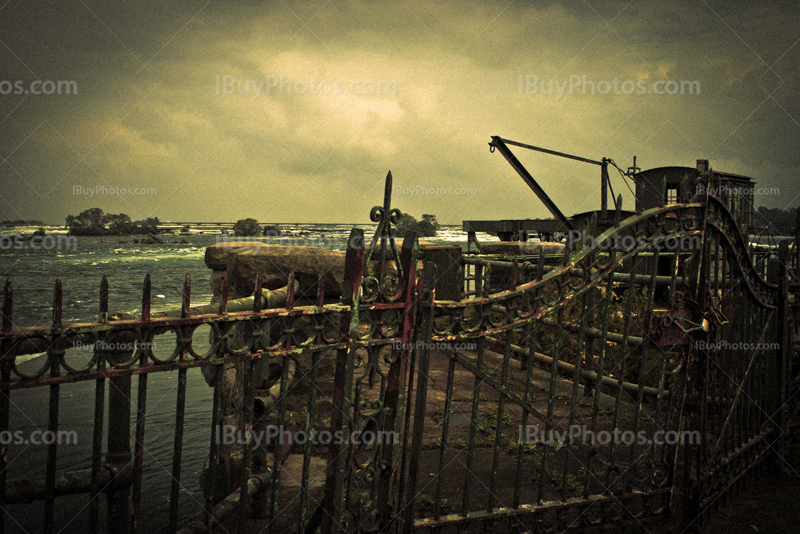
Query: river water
[{"x": 81, "y": 264}]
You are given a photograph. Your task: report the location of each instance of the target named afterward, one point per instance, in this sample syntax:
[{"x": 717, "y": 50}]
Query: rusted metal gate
[
  {"x": 575, "y": 392},
  {"x": 665, "y": 350}
]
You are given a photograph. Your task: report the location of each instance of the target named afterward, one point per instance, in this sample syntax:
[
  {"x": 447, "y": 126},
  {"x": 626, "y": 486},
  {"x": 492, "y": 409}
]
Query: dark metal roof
[{"x": 690, "y": 170}]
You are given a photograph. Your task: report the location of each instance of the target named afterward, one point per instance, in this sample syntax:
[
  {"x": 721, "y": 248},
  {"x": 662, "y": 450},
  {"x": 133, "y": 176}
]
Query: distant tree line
[
  {"x": 95, "y": 222},
  {"x": 427, "y": 227},
  {"x": 247, "y": 228},
  {"x": 21, "y": 222},
  {"x": 776, "y": 220}
]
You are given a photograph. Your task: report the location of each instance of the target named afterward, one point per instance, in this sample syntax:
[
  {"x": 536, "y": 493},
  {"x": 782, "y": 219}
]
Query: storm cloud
[{"x": 295, "y": 111}]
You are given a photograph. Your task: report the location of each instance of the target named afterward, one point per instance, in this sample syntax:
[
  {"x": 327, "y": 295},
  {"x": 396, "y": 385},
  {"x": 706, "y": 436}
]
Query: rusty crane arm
[{"x": 501, "y": 144}]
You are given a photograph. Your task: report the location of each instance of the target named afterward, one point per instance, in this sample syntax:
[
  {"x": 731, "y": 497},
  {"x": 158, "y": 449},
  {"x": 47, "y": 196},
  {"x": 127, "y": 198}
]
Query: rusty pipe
[{"x": 227, "y": 506}]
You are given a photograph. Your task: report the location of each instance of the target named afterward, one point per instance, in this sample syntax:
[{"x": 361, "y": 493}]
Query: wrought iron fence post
[
  {"x": 5, "y": 395},
  {"x": 119, "y": 449},
  {"x": 426, "y": 320},
  {"x": 695, "y": 368},
  {"x": 393, "y": 397},
  {"x": 781, "y": 355},
  {"x": 343, "y": 380}
]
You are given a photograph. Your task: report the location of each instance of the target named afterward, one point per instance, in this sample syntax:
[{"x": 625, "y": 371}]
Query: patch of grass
[
  {"x": 446, "y": 508},
  {"x": 601, "y": 410},
  {"x": 459, "y": 444},
  {"x": 512, "y": 447},
  {"x": 425, "y": 503},
  {"x": 438, "y": 413},
  {"x": 489, "y": 423},
  {"x": 574, "y": 487}
]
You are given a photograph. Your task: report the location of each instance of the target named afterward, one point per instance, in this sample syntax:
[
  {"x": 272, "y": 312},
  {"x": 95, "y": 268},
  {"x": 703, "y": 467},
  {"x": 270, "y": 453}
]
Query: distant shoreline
[{"x": 23, "y": 223}]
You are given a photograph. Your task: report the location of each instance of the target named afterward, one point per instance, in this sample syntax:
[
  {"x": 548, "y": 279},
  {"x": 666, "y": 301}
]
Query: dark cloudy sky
[{"x": 152, "y": 113}]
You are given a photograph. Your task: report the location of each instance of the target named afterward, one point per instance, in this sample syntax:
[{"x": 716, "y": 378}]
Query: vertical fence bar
[
  {"x": 643, "y": 354},
  {"x": 598, "y": 365},
  {"x": 119, "y": 449},
  {"x": 141, "y": 418},
  {"x": 746, "y": 333},
  {"x": 498, "y": 433},
  {"x": 782, "y": 354},
  {"x": 625, "y": 351},
  {"x": 214, "y": 443},
  {"x": 753, "y": 393},
  {"x": 673, "y": 286},
  {"x": 343, "y": 376},
  {"x": 550, "y": 397},
  {"x": 177, "y": 454},
  {"x": 747, "y": 387},
  {"x": 312, "y": 403},
  {"x": 448, "y": 401},
  {"x": 395, "y": 384},
  {"x": 478, "y": 281},
  {"x": 53, "y": 354},
  {"x": 757, "y": 414},
  {"x": 473, "y": 427},
  {"x": 530, "y": 336},
  {"x": 737, "y": 371},
  {"x": 99, "y": 413},
  {"x": 276, "y": 472},
  {"x": 249, "y": 400},
  {"x": 337, "y": 458},
  {"x": 412, "y": 365},
  {"x": 141, "y": 410},
  {"x": 180, "y": 411},
  {"x": 284, "y": 381},
  {"x": 5, "y": 394},
  {"x": 717, "y": 263},
  {"x": 213, "y": 451},
  {"x": 576, "y": 376},
  {"x": 426, "y": 325},
  {"x": 740, "y": 335},
  {"x": 696, "y": 367},
  {"x": 707, "y": 262},
  {"x": 416, "y": 287},
  {"x": 665, "y": 417}
]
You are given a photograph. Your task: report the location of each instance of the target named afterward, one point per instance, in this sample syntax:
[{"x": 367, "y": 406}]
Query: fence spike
[
  {"x": 57, "y": 303},
  {"x": 187, "y": 296},
  {"x": 8, "y": 305},
  {"x": 290, "y": 298},
  {"x": 320, "y": 288},
  {"x": 104, "y": 299},
  {"x": 146, "y": 298},
  {"x": 387, "y": 193},
  {"x": 223, "y": 308},
  {"x": 258, "y": 293}
]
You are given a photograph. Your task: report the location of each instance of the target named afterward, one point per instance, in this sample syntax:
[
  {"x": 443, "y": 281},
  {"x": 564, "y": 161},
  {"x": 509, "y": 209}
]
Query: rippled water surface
[{"x": 81, "y": 264}]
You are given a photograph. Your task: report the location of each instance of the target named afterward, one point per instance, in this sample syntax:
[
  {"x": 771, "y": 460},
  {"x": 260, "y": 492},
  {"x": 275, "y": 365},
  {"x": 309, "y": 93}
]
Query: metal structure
[
  {"x": 545, "y": 399},
  {"x": 518, "y": 229},
  {"x": 653, "y": 188}
]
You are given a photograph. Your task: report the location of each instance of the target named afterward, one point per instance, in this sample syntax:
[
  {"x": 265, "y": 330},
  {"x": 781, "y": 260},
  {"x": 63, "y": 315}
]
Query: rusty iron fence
[
  {"x": 363, "y": 338},
  {"x": 687, "y": 341},
  {"x": 575, "y": 392}
]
